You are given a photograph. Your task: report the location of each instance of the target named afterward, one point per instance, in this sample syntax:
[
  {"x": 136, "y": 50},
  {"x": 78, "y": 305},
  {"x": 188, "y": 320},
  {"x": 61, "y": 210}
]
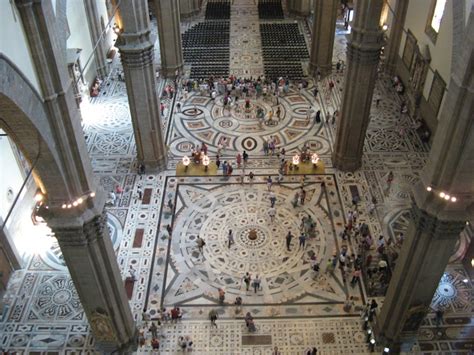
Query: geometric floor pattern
[{"x": 295, "y": 308}]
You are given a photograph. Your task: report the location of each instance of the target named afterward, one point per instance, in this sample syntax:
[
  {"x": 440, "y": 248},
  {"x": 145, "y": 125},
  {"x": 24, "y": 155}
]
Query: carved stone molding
[
  {"x": 137, "y": 58},
  {"x": 89, "y": 232},
  {"x": 430, "y": 224}
]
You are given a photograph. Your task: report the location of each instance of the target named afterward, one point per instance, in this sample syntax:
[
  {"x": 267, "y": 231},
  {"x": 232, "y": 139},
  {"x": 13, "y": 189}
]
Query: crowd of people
[{"x": 151, "y": 329}]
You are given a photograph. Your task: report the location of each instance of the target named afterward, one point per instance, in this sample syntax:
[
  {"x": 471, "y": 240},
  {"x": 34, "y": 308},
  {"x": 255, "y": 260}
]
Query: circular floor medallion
[{"x": 249, "y": 144}]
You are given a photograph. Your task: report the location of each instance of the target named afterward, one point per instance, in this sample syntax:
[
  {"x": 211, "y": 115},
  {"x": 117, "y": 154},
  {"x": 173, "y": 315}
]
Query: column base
[
  {"x": 324, "y": 69},
  {"x": 190, "y": 14},
  {"x": 299, "y": 13},
  {"x": 170, "y": 71},
  {"x": 107, "y": 347},
  {"x": 346, "y": 164},
  {"x": 155, "y": 165}
]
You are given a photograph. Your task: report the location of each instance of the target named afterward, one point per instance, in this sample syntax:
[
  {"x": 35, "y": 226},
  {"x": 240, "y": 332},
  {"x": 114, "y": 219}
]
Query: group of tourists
[{"x": 151, "y": 329}]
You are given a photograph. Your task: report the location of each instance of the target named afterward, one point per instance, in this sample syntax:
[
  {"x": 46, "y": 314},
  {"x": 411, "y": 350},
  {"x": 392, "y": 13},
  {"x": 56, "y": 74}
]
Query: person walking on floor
[
  {"x": 230, "y": 238},
  {"x": 256, "y": 283},
  {"x": 269, "y": 183},
  {"x": 272, "y": 199},
  {"x": 247, "y": 279},
  {"x": 302, "y": 241},
  {"x": 272, "y": 214},
  {"x": 213, "y": 317},
  {"x": 200, "y": 243},
  {"x": 289, "y": 237},
  {"x": 302, "y": 196},
  {"x": 154, "y": 330}
]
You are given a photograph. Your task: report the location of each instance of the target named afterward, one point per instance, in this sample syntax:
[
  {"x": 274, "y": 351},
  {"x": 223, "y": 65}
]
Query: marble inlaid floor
[{"x": 295, "y": 308}]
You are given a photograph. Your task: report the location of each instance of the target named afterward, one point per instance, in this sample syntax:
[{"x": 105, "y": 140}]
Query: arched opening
[{"x": 29, "y": 159}]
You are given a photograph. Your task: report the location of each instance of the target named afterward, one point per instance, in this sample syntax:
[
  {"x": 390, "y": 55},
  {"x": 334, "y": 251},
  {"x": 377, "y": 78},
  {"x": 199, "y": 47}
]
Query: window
[
  {"x": 434, "y": 19},
  {"x": 437, "y": 15}
]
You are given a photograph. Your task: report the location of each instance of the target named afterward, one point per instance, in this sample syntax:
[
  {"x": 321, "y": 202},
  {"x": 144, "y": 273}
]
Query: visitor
[
  {"x": 302, "y": 240},
  {"x": 251, "y": 176},
  {"x": 348, "y": 304},
  {"x": 247, "y": 277},
  {"x": 256, "y": 284},
  {"x": 309, "y": 112},
  {"x": 224, "y": 168},
  {"x": 245, "y": 157},
  {"x": 175, "y": 314},
  {"x": 238, "y": 305},
  {"x": 295, "y": 200},
  {"x": 141, "y": 338},
  {"x": 272, "y": 198},
  {"x": 155, "y": 344},
  {"x": 213, "y": 317},
  {"x": 278, "y": 113},
  {"x": 221, "y": 294},
  {"x": 289, "y": 237},
  {"x": 154, "y": 330},
  {"x": 302, "y": 196},
  {"x": 200, "y": 243},
  {"x": 373, "y": 310},
  {"x": 145, "y": 317},
  {"x": 317, "y": 118},
  {"x": 230, "y": 238},
  {"x": 355, "y": 276},
  {"x": 249, "y": 322},
  {"x": 141, "y": 169},
  {"x": 139, "y": 192},
  {"x": 329, "y": 267},
  {"x": 182, "y": 342},
  {"x": 265, "y": 147},
  {"x": 272, "y": 214},
  {"x": 238, "y": 160}
]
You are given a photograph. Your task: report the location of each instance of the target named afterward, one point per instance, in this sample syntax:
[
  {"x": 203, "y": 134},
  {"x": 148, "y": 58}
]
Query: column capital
[
  {"x": 433, "y": 225},
  {"x": 364, "y": 46},
  {"x": 74, "y": 235},
  {"x": 136, "y": 57}
]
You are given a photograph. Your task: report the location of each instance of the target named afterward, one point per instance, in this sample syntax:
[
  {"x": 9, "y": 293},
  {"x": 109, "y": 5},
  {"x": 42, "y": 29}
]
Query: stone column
[
  {"x": 85, "y": 243},
  {"x": 188, "y": 8},
  {"x": 429, "y": 243},
  {"x": 97, "y": 37},
  {"x": 322, "y": 36},
  {"x": 90, "y": 258},
  {"x": 438, "y": 219},
  {"x": 136, "y": 51},
  {"x": 363, "y": 52},
  {"x": 169, "y": 33},
  {"x": 393, "y": 46},
  {"x": 299, "y": 7}
]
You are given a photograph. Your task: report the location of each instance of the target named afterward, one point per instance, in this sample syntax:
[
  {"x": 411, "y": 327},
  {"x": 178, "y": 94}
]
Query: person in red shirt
[{"x": 155, "y": 344}]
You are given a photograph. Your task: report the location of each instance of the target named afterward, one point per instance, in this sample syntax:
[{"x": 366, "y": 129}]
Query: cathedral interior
[{"x": 301, "y": 170}]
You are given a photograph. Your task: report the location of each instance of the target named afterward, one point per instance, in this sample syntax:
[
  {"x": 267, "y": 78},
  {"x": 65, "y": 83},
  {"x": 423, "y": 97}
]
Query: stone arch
[{"x": 23, "y": 118}]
